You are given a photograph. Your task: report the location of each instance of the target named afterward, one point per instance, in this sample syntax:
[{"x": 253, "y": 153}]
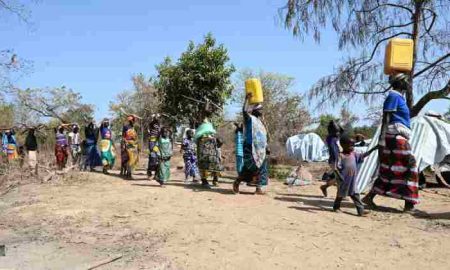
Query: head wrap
[
  {"x": 257, "y": 107},
  {"x": 399, "y": 77}
]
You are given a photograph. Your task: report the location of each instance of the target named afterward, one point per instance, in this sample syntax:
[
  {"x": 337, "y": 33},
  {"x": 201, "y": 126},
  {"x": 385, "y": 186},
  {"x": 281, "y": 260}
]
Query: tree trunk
[{"x": 415, "y": 37}]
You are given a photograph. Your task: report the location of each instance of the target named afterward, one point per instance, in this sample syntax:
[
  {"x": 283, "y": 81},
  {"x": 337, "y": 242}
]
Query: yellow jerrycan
[
  {"x": 399, "y": 56},
  {"x": 254, "y": 87}
]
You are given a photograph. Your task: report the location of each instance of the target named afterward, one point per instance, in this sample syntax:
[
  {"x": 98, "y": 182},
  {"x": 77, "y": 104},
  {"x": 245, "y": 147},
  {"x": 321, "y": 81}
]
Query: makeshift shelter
[
  {"x": 307, "y": 147},
  {"x": 430, "y": 143}
]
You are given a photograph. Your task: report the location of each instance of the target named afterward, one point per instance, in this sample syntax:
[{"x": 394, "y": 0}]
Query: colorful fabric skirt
[
  {"x": 133, "y": 156},
  {"x": 208, "y": 156},
  {"x": 190, "y": 166},
  {"x": 164, "y": 170},
  {"x": 250, "y": 172},
  {"x": 239, "y": 144},
  {"x": 11, "y": 152},
  {"x": 107, "y": 153},
  {"x": 398, "y": 177},
  {"x": 153, "y": 154},
  {"x": 61, "y": 155}
]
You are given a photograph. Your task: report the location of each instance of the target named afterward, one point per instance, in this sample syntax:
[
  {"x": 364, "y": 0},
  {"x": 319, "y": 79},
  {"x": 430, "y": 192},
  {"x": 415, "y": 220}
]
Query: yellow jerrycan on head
[
  {"x": 254, "y": 87},
  {"x": 399, "y": 56}
]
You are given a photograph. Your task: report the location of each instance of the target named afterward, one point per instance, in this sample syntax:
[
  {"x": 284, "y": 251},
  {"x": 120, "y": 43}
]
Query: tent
[
  {"x": 430, "y": 143},
  {"x": 307, "y": 147}
]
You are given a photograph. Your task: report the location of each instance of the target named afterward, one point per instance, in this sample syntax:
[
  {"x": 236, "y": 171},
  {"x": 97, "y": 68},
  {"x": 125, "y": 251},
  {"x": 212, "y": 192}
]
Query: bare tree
[
  {"x": 60, "y": 103},
  {"x": 142, "y": 100},
  {"x": 15, "y": 7},
  {"x": 364, "y": 27},
  {"x": 284, "y": 111},
  {"x": 11, "y": 67}
]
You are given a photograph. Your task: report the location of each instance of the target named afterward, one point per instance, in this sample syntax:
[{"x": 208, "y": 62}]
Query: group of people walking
[
  {"x": 201, "y": 151},
  {"x": 202, "y": 154},
  {"x": 96, "y": 149}
]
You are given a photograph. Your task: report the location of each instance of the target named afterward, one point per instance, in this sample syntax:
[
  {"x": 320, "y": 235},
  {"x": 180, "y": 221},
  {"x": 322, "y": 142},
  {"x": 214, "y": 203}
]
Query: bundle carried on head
[{"x": 205, "y": 129}]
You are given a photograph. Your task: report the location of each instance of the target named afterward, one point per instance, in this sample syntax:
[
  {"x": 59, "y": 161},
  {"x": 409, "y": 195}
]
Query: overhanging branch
[
  {"x": 431, "y": 65},
  {"x": 385, "y": 5},
  {"x": 438, "y": 94}
]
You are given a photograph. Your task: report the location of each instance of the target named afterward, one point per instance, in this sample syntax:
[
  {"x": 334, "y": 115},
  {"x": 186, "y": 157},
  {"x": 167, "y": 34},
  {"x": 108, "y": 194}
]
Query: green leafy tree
[
  {"x": 198, "y": 84},
  {"x": 284, "y": 112},
  {"x": 363, "y": 27}
]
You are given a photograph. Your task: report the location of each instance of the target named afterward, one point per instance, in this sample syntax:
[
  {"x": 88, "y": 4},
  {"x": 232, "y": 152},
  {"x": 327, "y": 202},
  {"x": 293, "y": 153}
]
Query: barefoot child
[{"x": 346, "y": 174}]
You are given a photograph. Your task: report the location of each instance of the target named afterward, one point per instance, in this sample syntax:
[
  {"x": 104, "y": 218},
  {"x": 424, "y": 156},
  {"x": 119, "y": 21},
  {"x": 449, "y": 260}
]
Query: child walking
[
  {"x": 190, "y": 158},
  {"x": 346, "y": 175},
  {"x": 164, "y": 155}
]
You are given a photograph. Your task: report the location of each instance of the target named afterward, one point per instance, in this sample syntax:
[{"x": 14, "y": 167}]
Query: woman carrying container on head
[
  {"x": 130, "y": 141},
  {"x": 154, "y": 130},
  {"x": 75, "y": 143},
  {"x": 398, "y": 177},
  {"x": 61, "y": 147},
  {"x": 93, "y": 157},
  {"x": 255, "y": 167},
  {"x": 207, "y": 152}
]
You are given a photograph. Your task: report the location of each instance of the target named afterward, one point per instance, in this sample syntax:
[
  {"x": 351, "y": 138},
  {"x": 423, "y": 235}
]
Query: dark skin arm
[
  {"x": 244, "y": 107},
  {"x": 366, "y": 154}
]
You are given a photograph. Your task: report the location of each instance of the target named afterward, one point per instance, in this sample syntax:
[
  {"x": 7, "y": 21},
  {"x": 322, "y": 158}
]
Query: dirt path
[{"x": 92, "y": 217}]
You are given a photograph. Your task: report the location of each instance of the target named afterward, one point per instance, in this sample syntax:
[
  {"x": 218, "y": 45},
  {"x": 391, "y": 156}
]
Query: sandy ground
[{"x": 90, "y": 217}]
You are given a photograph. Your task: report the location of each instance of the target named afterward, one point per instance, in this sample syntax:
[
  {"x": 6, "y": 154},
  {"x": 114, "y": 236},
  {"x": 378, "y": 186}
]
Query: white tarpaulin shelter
[
  {"x": 430, "y": 143},
  {"x": 307, "y": 147}
]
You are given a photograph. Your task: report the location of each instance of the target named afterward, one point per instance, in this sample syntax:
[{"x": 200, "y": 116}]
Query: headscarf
[
  {"x": 399, "y": 81},
  {"x": 257, "y": 107},
  {"x": 399, "y": 77}
]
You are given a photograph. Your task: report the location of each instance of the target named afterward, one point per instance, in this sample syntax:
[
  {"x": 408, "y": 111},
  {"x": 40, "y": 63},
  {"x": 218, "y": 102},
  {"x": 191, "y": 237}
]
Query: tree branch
[
  {"x": 431, "y": 65},
  {"x": 16, "y": 11},
  {"x": 428, "y": 28},
  {"x": 438, "y": 94},
  {"x": 394, "y": 26},
  {"x": 385, "y": 5}
]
